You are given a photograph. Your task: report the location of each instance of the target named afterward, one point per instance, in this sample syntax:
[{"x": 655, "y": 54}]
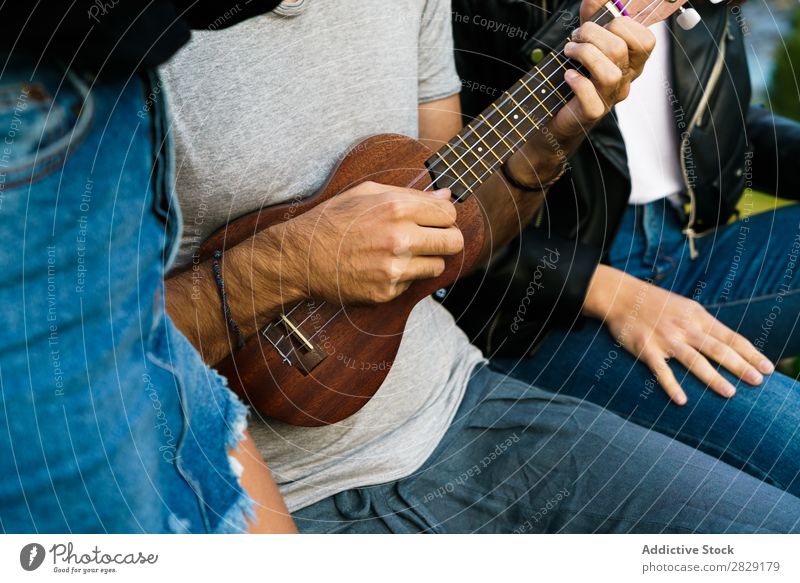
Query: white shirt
[{"x": 647, "y": 121}]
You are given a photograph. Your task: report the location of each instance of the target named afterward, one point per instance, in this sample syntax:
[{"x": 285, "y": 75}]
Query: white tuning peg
[
  {"x": 717, "y": 1},
  {"x": 688, "y": 18}
]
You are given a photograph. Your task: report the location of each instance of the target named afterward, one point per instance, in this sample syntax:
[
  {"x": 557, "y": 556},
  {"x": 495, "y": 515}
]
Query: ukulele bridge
[{"x": 295, "y": 346}]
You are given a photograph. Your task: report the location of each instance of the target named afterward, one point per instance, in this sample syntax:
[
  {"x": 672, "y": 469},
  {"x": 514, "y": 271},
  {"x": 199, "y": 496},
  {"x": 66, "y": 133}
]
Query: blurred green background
[{"x": 784, "y": 94}]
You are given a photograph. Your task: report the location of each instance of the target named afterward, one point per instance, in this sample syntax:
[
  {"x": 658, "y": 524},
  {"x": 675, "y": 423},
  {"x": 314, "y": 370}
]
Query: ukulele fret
[
  {"x": 522, "y": 109},
  {"x": 464, "y": 162},
  {"x": 558, "y": 62},
  {"x": 549, "y": 82},
  {"x": 498, "y": 134},
  {"x": 456, "y": 175},
  {"x": 535, "y": 96},
  {"x": 485, "y": 145},
  {"x": 514, "y": 127}
]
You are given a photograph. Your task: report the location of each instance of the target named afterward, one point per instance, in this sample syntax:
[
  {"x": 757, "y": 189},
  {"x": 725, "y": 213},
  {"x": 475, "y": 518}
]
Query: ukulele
[{"x": 319, "y": 362}]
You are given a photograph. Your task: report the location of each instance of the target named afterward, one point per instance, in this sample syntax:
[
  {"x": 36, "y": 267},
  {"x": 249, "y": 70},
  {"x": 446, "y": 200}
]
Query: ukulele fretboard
[{"x": 478, "y": 150}]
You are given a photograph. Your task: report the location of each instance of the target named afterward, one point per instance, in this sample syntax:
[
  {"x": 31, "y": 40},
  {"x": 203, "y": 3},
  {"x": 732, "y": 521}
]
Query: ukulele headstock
[{"x": 646, "y": 12}]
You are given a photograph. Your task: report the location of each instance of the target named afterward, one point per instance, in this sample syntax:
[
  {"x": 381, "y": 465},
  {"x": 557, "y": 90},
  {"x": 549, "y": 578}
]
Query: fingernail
[
  {"x": 442, "y": 192},
  {"x": 570, "y": 46},
  {"x": 681, "y": 399},
  {"x": 576, "y": 34},
  {"x": 754, "y": 378},
  {"x": 766, "y": 367},
  {"x": 571, "y": 75},
  {"x": 728, "y": 389}
]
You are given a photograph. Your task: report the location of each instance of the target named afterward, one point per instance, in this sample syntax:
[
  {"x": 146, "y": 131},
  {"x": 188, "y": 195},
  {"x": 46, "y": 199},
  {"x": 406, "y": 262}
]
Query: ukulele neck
[{"x": 484, "y": 145}]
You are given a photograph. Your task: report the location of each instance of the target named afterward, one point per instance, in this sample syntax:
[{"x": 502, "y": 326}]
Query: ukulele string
[
  {"x": 653, "y": 5},
  {"x": 294, "y": 309},
  {"x": 473, "y": 130},
  {"x": 515, "y": 127},
  {"x": 297, "y": 305}
]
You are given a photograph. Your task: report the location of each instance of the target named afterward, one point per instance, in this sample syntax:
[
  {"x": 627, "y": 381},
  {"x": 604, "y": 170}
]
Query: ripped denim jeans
[{"x": 110, "y": 421}]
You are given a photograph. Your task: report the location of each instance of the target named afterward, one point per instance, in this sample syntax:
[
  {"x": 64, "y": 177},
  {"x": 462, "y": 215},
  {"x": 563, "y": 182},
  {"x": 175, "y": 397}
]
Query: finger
[
  {"x": 698, "y": 365},
  {"x": 442, "y": 193},
  {"x": 422, "y": 268},
  {"x": 397, "y": 287},
  {"x": 610, "y": 44},
  {"x": 741, "y": 345},
  {"x": 371, "y": 187},
  {"x": 430, "y": 212},
  {"x": 604, "y": 73},
  {"x": 428, "y": 209},
  {"x": 729, "y": 358},
  {"x": 657, "y": 363},
  {"x": 427, "y": 241},
  {"x": 590, "y": 7},
  {"x": 587, "y": 107},
  {"x": 638, "y": 39}
]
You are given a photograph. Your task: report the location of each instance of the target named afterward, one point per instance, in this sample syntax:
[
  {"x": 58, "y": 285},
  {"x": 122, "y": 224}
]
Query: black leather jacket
[
  {"x": 726, "y": 145},
  {"x": 114, "y": 37}
]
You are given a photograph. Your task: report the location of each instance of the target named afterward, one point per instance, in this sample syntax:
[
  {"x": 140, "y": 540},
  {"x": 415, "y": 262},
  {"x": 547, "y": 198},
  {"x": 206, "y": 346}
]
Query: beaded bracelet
[{"x": 223, "y": 296}]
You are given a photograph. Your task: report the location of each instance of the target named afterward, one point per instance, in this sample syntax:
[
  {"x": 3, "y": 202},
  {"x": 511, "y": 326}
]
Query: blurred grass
[
  {"x": 754, "y": 202},
  {"x": 784, "y": 95}
]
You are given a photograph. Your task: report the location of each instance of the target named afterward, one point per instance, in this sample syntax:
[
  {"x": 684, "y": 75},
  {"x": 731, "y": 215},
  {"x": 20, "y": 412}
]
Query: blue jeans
[
  {"x": 109, "y": 420},
  {"x": 521, "y": 459},
  {"x": 747, "y": 276}
]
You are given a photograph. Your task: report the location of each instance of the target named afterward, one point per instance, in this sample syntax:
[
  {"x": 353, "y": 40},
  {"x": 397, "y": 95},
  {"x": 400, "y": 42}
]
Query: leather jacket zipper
[{"x": 697, "y": 119}]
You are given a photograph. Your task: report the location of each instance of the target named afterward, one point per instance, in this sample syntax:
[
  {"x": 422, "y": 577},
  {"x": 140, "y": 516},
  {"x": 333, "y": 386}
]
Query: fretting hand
[{"x": 613, "y": 56}]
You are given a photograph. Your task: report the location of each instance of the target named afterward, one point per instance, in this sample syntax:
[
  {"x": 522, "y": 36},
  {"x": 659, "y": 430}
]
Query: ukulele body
[{"x": 324, "y": 362}]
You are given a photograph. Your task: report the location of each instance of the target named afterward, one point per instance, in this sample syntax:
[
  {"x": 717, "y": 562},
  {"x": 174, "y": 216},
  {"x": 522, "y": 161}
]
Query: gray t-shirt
[{"x": 262, "y": 113}]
